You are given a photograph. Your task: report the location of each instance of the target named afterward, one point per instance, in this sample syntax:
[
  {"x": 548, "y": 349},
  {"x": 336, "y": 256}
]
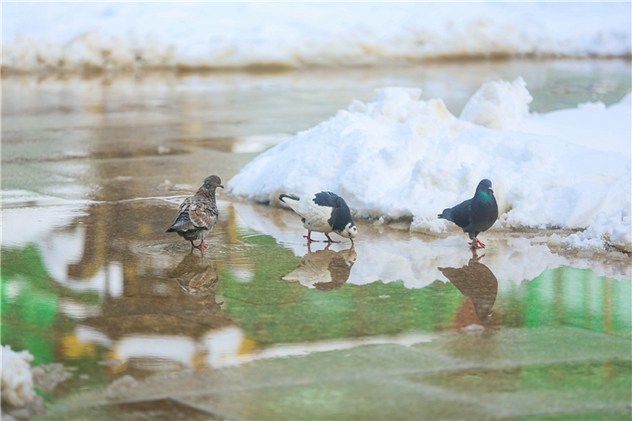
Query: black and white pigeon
[
  {"x": 322, "y": 212},
  {"x": 475, "y": 215},
  {"x": 324, "y": 269},
  {"x": 198, "y": 214}
]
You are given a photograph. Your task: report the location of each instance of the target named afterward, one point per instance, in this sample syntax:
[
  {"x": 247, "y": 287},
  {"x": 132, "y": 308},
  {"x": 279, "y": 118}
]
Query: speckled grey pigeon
[
  {"x": 198, "y": 214},
  {"x": 475, "y": 215},
  {"x": 322, "y": 212}
]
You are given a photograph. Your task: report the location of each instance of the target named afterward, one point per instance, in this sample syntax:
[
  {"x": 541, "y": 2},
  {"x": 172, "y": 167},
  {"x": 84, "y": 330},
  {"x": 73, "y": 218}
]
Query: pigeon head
[
  {"x": 349, "y": 231},
  {"x": 484, "y": 192},
  {"x": 212, "y": 182},
  {"x": 484, "y": 184}
]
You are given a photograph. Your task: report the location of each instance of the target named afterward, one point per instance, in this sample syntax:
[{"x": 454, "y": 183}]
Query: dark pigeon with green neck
[{"x": 475, "y": 215}]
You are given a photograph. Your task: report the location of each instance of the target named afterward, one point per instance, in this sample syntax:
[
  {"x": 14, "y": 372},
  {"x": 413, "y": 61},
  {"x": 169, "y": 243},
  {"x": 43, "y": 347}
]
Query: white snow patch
[
  {"x": 114, "y": 36},
  {"x": 17, "y": 379}
]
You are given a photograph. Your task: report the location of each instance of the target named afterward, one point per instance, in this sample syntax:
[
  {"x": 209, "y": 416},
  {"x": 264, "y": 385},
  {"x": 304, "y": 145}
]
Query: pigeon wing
[
  {"x": 460, "y": 214},
  {"x": 203, "y": 214},
  {"x": 327, "y": 198},
  {"x": 340, "y": 214},
  {"x": 183, "y": 221}
]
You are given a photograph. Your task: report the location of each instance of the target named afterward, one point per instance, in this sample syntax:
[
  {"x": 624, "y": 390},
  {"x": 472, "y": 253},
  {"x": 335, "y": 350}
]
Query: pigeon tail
[
  {"x": 181, "y": 223},
  {"x": 288, "y": 196},
  {"x": 291, "y": 200},
  {"x": 446, "y": 214}
]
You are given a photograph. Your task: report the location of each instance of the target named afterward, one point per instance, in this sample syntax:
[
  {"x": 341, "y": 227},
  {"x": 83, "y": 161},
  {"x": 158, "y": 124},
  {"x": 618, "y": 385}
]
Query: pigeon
[
  {"x": 476, "y": 282},
  {"x": 197, "y": 215},
  {"x": 475, "y": 215},
  {"x": 196, "y": 276},
  {"x": 323, "y": 212},
  {"x": 324, "y": 269}
]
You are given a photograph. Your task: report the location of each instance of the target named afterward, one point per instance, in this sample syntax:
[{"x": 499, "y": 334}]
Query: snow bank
[
  {"x": 401, "y": 157},
  {"x": 17, "y": 379},
  {"x": 104, "y": 36}
]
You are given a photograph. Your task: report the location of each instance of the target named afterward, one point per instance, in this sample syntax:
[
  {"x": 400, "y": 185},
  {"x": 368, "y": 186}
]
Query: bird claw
[
  {"x": 477, "y": 244},
  {"x": 202, "y": 247}
]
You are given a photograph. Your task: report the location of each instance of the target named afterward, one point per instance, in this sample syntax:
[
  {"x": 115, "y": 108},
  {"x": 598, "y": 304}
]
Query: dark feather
[
  {"x": 459, "y": 214},
  {"x": 327, "y": 198},
  {"x": 340, "y": 214}
]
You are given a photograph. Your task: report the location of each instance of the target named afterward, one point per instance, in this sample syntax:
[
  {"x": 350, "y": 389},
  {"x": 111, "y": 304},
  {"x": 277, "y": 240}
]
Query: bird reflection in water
[
  {"x": 324, "y": 269},
  {"x": 163, "y": 322},
  {"x": 479, "y": 285},
  {"x": 196, "y": 275}
]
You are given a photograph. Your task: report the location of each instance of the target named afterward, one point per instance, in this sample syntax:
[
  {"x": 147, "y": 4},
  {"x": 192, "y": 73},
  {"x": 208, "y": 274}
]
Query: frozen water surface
[{"x": 404, "y": 325}]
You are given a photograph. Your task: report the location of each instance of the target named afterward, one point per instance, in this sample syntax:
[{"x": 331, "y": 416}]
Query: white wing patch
[{"x": 315, "y": 216}]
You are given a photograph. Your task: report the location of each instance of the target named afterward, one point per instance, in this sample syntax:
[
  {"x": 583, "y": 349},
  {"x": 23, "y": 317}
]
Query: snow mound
[
  {"x": 401, "y": 157},
  {"x": 498, "y": 105},
  {"x": 17, "y": 379}
]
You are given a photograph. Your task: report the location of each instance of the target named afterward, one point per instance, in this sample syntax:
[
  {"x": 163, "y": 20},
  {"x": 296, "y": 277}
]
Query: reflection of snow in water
[
  {"x": 78, "y": 310},
  {"x": 29, "y": 217},
  {"x": 388, "y": 255},
  {"x": 224, "y": 347},
  {"x": 242, "y": 274},
  {"x": 179, "y": 349},
  {"x": 59, "y": 250},
  {"x": 49, "y": 223},
  {"x": 90, "y": 334}
]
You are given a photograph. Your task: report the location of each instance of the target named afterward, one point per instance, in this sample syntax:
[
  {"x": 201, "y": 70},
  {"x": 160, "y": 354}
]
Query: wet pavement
[{"x": 401, "y": 326}]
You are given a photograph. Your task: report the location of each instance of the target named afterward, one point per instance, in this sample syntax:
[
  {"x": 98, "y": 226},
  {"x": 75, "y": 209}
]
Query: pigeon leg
[
  {"x": 329, "y": 240},
  {"x": 202, "y": 246},
  {"x": 475, "y": 256},
  {"x": 309, "y": 237}
]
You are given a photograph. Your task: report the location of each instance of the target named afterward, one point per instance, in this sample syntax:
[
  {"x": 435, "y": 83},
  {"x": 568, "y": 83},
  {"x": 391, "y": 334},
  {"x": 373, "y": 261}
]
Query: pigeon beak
[
  {"x": 220, "y": 186},
  {"x": 491, "y": 190}
]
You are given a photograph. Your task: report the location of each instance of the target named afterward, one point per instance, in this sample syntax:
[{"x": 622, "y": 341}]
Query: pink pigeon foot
[{"x": 477, "y": 244}]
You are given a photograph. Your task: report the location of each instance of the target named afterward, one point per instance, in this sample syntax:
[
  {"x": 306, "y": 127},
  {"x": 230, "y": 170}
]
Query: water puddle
[
  {"x": 109, "y": 295},
  {"x": 92, "y": 174},
  {"x": 112, "y": 289}
]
